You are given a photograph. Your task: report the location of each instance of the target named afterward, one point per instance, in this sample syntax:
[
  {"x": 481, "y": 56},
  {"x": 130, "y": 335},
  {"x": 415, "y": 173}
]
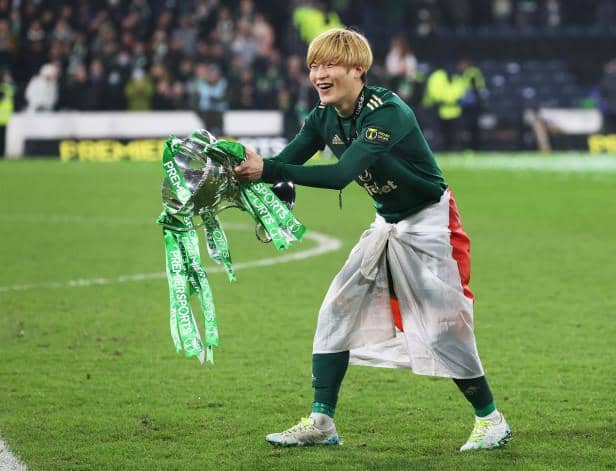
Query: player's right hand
[{"x": 251, "y": 169}]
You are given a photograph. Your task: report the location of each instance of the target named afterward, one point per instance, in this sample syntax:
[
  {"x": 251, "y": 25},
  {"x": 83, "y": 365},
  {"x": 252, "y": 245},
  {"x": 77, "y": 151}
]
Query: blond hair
[{"x": 341, "y": 47}]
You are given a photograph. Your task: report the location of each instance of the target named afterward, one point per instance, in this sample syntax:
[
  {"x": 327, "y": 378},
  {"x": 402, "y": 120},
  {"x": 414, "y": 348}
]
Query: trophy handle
[
  {"x": 259, "y": 229},
  {"x": 261, "y": 234},
  {"x": 231, "y": 205}
]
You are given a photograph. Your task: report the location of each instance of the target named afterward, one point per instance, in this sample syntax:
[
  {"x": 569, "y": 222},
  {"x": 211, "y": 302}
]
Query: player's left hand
[{"x": 251, "y": 169}]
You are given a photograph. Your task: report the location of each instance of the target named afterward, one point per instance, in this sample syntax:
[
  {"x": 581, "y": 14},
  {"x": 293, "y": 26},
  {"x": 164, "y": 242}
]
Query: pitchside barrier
[
  {"x": 111, "y": 136},
  {"x": 102, "y": 136},
  {"x": 567, "y": 129}
]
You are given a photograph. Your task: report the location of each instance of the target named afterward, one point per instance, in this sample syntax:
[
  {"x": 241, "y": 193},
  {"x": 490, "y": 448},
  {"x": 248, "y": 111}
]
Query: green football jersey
[{"x": 380, "y": 146}]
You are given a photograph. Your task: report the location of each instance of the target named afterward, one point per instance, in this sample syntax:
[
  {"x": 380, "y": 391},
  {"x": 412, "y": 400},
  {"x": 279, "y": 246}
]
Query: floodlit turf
[{"x": 89, "y": 378}]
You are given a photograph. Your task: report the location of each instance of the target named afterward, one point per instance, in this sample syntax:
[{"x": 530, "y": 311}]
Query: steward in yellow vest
[
  {"x": 445, "y": 91},
  {"x": 311, "y": 21},
  {"x": 6, "y": 111}
]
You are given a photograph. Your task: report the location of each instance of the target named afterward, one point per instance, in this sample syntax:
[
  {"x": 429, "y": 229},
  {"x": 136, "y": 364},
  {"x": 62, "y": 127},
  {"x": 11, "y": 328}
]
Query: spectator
[
  {"x": 75, "y": 94},
  {"x": 139, "y": 91},
  {"x": 243, "y": 96},
  {"x": 608, "y": 95},
  {"x": 97, "y": 85},
  {"x": 164, "y": 22},
  {"x": 263, "y": 34},
  {"x": 78, "y": 50},
  {"x": 244, "y": 44},
  {"x": 114, "y": 91},
  {"x": 159, "y": 45},
  {"x": 247, "y": 11},
  {"x": 178, "y": 94},
  {"x": 84, "y": 16},
  {"x": 174, "y": 55},
  {"x": 57, "y": 52},
  {"x": 400, "y": 61},
  {"x": 289, "y": 118},
  {"x": 140, "y": 56},
  {"x": 210, "y": 90},
  {"x": 34, "y": 53},
  {"x": 36, "y": 32},
  {"x": 6, "y": 108},
  {"x": 125, "y": 63},
  {"x": 472, "y": 101},
  {"x": 62, "y": 31},
  {"x": 401, "y": 70},
  {"x": 127, "y": 41},
  {"x": 184, "y": 71},
  {"x": 301, "y": 90},
  {"x": 186, "y": 34},
  {"x": 158, "y": 72},
  {"x": 42, "y": 90},
  {"x": 217, "y": 54},
  {"x": 104, "y": 34},
  {"x": 268, "y": 83},
  {"x": 205, "y": 14},
  {"x": 224, "y": 26},
  {"x": 295, "y": 75},
  {"x": 163, "y": 96},
  {"x": 143, "y": 14},
  {"x": 7, "y": 43}
]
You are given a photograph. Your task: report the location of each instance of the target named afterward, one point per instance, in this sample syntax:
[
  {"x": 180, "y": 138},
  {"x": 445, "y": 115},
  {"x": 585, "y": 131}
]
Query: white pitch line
[
  {"x": 324, "y": 242},
  {"x": 546, "y": 163},
  {"x": 8, "y": 461}
]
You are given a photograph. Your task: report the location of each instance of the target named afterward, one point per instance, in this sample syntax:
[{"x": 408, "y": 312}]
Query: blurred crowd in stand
[{"x": 214, "y": 55}]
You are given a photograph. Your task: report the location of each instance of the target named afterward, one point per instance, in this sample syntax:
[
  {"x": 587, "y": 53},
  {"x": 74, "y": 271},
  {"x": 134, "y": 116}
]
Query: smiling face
[
  {"x": 338, "y": 60},
  {"x": 336, "y": 84}
]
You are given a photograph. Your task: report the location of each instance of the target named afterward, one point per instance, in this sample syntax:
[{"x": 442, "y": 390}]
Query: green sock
[
  {"x": 328, "y": 370},
  {"x": 477, "y": 392}
]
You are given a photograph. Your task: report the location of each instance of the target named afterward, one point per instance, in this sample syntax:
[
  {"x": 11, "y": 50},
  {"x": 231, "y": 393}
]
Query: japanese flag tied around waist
[{"x": 437, "y": 317}]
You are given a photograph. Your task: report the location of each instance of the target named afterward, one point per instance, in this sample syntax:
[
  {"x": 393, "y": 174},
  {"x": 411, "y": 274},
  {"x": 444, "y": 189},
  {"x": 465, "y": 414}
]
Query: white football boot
[
  {"x": 306, "y": 433},
  {"x": 489, "y": 432}
]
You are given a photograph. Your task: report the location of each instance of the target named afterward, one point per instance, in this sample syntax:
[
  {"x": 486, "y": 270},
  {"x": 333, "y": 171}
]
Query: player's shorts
[{"x": 429, "y": 261}]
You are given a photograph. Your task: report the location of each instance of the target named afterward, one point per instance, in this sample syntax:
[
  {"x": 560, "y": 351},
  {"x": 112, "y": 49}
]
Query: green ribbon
[
  {"x": 173, "y": 174},
  {"x": 217, "y": 243},
  {"x": 185, "y": 272},
  {"x": 279, "y": 210},
  {"x": 186, "y": 276},
  {"x": 201, "y": 286}
]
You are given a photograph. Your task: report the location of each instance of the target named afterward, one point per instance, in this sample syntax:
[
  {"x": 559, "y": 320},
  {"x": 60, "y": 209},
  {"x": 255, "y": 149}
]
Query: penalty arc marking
[{"x": 324, "y": 242}]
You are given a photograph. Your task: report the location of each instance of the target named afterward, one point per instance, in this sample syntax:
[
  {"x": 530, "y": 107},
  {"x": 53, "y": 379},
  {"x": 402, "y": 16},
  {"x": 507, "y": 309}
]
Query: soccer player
[{"x": 402, "y": 298}]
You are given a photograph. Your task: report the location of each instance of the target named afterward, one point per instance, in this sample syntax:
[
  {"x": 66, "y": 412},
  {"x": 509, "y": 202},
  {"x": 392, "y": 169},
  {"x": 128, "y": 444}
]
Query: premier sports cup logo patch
[{"x": 377, "y": 135}]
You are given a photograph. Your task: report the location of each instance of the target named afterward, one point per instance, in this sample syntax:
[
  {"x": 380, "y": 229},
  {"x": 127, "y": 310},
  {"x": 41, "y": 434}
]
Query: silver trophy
[
  {"x": 208, "y": 173},
  {"x": 209, "y": 177}
]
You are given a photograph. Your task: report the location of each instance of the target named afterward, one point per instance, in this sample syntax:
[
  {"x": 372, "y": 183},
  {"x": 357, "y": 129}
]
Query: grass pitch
[{"x": 89, "y": 378}]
